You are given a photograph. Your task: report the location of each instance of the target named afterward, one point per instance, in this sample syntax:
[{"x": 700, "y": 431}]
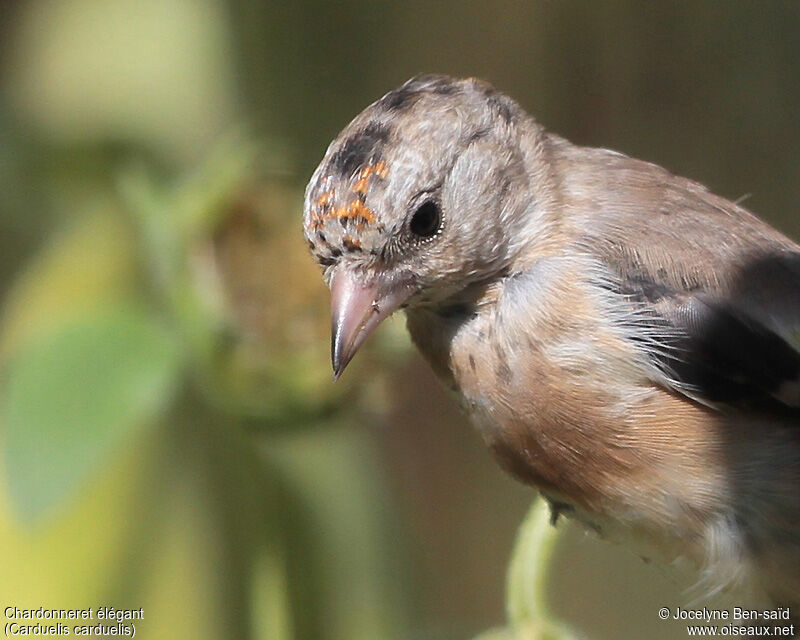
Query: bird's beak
[{"x": 358, "y": 306}]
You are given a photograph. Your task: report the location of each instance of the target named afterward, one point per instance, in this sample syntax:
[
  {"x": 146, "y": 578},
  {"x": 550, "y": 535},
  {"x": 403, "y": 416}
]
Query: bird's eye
[{"x": 427, "y": 220}]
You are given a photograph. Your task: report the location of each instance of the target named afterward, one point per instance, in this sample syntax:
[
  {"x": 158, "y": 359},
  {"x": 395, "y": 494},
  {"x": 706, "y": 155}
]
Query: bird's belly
[
  {"x": 636, "y": 464},
  {"x": 682, "y": 500},
  {"x": 546, "y": 429}
]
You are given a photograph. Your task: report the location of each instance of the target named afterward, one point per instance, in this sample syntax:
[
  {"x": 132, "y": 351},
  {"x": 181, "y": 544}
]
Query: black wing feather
[{"x": 715, "y": 351}]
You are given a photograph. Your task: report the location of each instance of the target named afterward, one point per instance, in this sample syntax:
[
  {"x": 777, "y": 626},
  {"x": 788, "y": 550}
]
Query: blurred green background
[{"x": 171, "y": 438}]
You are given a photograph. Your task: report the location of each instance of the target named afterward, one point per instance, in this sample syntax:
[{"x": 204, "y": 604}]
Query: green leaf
[{"x": 74, "y": 395}]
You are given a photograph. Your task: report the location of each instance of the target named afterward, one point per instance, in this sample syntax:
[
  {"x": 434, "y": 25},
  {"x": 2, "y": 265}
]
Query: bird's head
[{"x": 415, "y": 200}]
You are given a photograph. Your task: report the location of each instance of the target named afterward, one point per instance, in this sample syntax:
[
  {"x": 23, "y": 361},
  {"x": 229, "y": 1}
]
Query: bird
[{"x": 624, "y": 340}]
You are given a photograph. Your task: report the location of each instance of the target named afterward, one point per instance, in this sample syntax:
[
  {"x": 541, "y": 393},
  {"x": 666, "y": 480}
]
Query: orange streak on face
[
  {"x": 378, "y": 169},
  {"x": 358, "y": 210},
  {"x": 381, "y": 170},
  {"x": 317, "y": 220},
  {"x": 351, "y": 243}
]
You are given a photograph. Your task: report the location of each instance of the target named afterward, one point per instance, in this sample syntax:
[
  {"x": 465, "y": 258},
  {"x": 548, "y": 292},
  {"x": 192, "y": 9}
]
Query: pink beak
[{"x": 357, "y": 308}]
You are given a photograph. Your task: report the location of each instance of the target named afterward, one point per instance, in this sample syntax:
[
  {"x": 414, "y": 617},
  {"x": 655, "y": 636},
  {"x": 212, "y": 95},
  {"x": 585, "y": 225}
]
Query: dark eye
[{"x": 426, "y": 220}]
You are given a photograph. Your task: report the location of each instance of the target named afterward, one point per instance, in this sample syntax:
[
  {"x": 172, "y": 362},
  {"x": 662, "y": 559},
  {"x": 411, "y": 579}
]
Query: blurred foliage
[
  {"x": 73, "y": 395},
  {"x": 170, "y": 435},
  {"x": 157, "y": 311},
  {"x": 166, "y": 342}
]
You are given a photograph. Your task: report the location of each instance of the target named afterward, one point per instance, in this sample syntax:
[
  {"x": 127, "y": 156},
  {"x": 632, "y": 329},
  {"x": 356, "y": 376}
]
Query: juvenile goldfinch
[{"x": 623, "y": 339}]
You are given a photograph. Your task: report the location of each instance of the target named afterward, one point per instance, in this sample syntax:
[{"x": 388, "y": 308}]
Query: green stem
[{"x": 528, "y": 575}]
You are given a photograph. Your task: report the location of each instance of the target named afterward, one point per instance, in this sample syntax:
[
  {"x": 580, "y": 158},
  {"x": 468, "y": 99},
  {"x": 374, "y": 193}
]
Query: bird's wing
[
  {"x": 718, "y": 349},
  {"x": 718, "y": 288}
]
